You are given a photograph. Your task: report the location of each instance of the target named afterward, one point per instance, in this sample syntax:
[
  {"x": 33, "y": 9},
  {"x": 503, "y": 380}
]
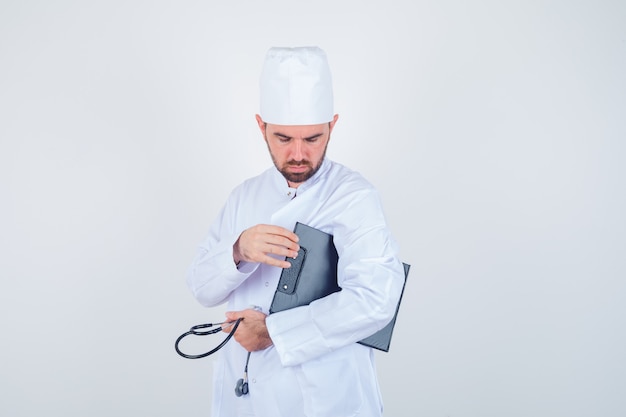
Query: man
[{"x": 304, "y": 361}]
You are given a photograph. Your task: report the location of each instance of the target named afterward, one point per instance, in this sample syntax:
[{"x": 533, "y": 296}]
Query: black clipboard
[{"x": 313, "y": 275}]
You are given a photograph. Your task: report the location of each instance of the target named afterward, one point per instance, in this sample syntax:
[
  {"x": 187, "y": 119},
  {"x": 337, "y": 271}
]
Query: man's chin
[{"x": 297, "y": 177}]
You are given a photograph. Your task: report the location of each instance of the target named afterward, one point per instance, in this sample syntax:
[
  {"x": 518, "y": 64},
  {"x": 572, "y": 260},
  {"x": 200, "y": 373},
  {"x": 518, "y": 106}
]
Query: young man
[{"x": 304, "y": 361}]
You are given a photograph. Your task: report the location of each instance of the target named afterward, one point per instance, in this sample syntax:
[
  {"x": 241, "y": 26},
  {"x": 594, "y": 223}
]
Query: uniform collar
[{"x": 290, "y": 192}]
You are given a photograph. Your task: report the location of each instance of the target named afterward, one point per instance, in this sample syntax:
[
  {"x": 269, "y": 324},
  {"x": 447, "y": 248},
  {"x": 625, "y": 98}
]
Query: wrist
[{"x": 236, "y": 257}]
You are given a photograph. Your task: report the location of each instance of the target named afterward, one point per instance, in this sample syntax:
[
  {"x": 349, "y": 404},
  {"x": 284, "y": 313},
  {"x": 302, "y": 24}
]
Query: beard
[{"x": 298, "y": 177}]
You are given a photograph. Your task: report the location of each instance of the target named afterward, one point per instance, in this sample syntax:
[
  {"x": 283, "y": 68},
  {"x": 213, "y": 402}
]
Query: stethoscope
[
  {"x": 196, "y": 330},
  {"x": 241, "y": 388}
]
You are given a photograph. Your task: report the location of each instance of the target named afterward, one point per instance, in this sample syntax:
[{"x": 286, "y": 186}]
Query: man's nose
[{"x": 296, "y": 150}]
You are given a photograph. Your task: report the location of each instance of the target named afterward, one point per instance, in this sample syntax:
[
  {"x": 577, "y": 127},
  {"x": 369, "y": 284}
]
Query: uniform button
[
  {"x": 267, "y": 284},
  {"x": 289, "y": 193},
  {"x": 253, "y": 381}
]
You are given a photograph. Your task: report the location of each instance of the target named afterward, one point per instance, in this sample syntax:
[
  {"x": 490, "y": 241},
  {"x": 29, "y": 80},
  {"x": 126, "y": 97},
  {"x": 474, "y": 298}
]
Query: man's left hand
[{"x": 252, "y": 332}]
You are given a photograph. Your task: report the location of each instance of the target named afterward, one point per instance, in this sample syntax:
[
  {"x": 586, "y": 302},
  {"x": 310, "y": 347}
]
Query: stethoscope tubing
[{"x": 195, "y": 330}]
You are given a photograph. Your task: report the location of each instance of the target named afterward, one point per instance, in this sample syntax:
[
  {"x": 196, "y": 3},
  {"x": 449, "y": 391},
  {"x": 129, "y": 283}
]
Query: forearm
[
  {"x": 213, "y": 274},
  {"x": 365, "y": 305},
  {"x": 371, "y": 277}
]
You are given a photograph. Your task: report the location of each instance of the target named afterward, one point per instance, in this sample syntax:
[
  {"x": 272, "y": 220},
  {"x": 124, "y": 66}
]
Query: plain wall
[{"x": 495, "y": 132}]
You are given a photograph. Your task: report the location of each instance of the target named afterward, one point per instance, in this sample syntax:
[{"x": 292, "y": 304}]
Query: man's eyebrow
[
  {"x": 282, "y": 135},
  {"x": 315, "y": 136}
]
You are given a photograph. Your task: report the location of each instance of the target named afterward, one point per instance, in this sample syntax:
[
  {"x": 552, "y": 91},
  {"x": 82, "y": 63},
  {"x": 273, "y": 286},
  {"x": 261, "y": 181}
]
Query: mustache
[{"x": 298, "y": 163}]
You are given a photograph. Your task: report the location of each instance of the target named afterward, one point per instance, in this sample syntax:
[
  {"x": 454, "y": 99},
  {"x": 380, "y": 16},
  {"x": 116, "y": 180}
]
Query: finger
[
  {"x": 257, "y": 242},
  {"x": 279, "y": 231},
  {"x": 270, "y": 248},
  {"x": 233, "y": 315},
  {"x": 270, "y": 245},
  {"x": 228, "y": 326},
  {"x": 283, "y": 242},
  {"x": 251, "y": 313},
  {"x": 252, "y": 248},
  {"x": 264, "y": 255},
  {"x": 275, "y": 262}
]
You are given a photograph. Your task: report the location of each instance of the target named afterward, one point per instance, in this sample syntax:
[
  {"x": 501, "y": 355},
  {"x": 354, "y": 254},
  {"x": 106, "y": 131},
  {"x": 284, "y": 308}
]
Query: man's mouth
[{"x": 298, "y": 167}]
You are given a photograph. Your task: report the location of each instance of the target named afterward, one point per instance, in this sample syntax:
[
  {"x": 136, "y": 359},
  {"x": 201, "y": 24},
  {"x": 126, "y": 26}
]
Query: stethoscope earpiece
[{"x": 241, "y": 388}]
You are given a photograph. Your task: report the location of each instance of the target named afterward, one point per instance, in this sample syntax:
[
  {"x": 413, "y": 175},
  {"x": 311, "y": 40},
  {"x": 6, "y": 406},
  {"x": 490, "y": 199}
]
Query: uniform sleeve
[
  {"x": 371, "y": 277},
  {"x": 213, "y": 274}
]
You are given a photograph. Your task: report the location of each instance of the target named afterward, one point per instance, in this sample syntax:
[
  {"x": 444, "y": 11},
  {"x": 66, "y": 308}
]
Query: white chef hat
[{"x": 296, "y": 87}]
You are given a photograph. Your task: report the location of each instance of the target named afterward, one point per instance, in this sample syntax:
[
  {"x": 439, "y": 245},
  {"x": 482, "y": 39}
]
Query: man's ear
[
  {"x": 261, "y": 124},
  {"x": 331, "y": 125}
]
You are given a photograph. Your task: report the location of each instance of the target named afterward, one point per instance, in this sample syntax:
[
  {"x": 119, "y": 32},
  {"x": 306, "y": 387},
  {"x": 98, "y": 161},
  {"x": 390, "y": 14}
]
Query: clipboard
[{"x": 313, "y": 275}]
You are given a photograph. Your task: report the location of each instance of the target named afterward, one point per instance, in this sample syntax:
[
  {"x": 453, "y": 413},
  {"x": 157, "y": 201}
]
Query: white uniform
[{"x": 314, "y": 368}]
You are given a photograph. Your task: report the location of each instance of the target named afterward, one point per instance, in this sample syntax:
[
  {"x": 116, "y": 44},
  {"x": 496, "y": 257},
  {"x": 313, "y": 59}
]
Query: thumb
[{"x": 232, "y": 315}]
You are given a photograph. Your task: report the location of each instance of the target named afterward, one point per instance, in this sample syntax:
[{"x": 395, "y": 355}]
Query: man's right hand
[{"x": 258, "y": 242}]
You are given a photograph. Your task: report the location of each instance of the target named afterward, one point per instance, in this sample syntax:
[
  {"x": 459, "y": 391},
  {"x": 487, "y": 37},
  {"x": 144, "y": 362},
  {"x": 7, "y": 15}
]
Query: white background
[{"x": 494, "y": 131}]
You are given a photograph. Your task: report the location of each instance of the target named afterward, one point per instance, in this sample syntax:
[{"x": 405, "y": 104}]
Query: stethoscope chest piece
[
  {"x": 242, "y": 384},
  {"x": 241, "y": 388}
]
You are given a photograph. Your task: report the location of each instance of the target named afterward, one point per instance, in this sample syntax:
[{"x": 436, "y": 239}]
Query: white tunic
[{"x": 314, "y": 368}]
